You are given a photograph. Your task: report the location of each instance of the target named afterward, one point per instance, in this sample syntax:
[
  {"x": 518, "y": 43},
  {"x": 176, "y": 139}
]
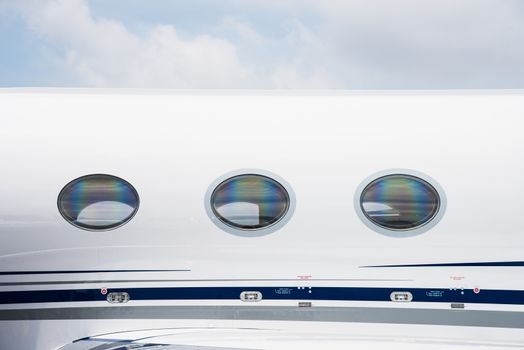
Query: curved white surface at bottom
[{"x": 218, "y": 335}]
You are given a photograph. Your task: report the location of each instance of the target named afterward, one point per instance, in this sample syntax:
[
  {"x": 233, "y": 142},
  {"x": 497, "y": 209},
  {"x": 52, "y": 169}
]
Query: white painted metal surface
[{"x": 172, "y": 146}]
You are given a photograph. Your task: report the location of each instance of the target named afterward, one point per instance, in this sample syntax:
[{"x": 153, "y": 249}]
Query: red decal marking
[
  {"x": 476, "y": 290},
  {"x": 103, "y": 291},
  {"x": 457, "y": 278}
]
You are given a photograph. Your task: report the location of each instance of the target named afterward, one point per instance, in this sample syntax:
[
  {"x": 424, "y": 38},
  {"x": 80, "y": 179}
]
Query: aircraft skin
[{"x": 325, "y": 275}]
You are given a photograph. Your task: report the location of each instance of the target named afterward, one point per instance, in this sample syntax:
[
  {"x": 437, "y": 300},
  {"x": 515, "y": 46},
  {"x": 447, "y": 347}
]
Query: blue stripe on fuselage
[{"x": 269, "y": 293}]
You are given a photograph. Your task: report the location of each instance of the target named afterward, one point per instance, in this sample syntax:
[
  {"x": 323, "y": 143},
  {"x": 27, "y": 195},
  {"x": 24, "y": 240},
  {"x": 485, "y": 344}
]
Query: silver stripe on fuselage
[{"x": 476, "y": 318}]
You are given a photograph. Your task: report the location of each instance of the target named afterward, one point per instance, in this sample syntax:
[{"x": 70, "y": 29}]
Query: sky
[{"x": 270, "y": 44}]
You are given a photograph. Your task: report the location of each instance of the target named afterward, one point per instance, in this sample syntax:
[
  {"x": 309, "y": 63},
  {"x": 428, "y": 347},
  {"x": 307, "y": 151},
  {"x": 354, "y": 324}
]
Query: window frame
[{"x": 247, "y": 232}]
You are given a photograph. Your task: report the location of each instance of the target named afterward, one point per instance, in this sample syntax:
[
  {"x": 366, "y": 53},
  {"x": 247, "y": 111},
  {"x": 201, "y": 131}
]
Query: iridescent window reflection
[
  {"x": 250, "y": 202},
  {"x": 400, "y": 202},
  {"x": 98, "y": 202}
]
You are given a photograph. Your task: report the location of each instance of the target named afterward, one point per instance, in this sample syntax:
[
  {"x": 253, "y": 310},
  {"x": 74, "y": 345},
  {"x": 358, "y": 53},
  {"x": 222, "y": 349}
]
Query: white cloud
[
  {"x": 102, "y": 52},
  {"x": 352, "y": 44},
  {"x": 431, "y": 43},
  {"x": 296, "y": 59}
]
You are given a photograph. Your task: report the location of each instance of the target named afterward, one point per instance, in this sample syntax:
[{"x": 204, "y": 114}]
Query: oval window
[
  {"x": 250, "y": 202},
  {"x": 400, "y": 202},
  {"x": 98, "y": 202}
]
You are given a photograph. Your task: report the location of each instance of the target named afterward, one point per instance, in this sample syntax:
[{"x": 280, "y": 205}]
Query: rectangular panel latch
[
  {"x": 118, "y": 297},
  {"x": 401, "y": 296},
  {"x": 250, "y": 296}
]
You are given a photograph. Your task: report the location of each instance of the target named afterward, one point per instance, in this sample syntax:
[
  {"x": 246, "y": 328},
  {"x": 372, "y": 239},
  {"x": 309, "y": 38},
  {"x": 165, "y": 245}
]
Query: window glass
[
  {"x": 250, "y": 202},
  {"x": 98, "y": 202},
  {"x": 400, "y": 202}
]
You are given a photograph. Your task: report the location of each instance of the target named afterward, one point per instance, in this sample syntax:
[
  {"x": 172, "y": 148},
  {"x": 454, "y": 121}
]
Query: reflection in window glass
[
  {"x": 400, "y": 202},
  {"x": 98, "y": 202},
  {"x": 250, "y": 202}
]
